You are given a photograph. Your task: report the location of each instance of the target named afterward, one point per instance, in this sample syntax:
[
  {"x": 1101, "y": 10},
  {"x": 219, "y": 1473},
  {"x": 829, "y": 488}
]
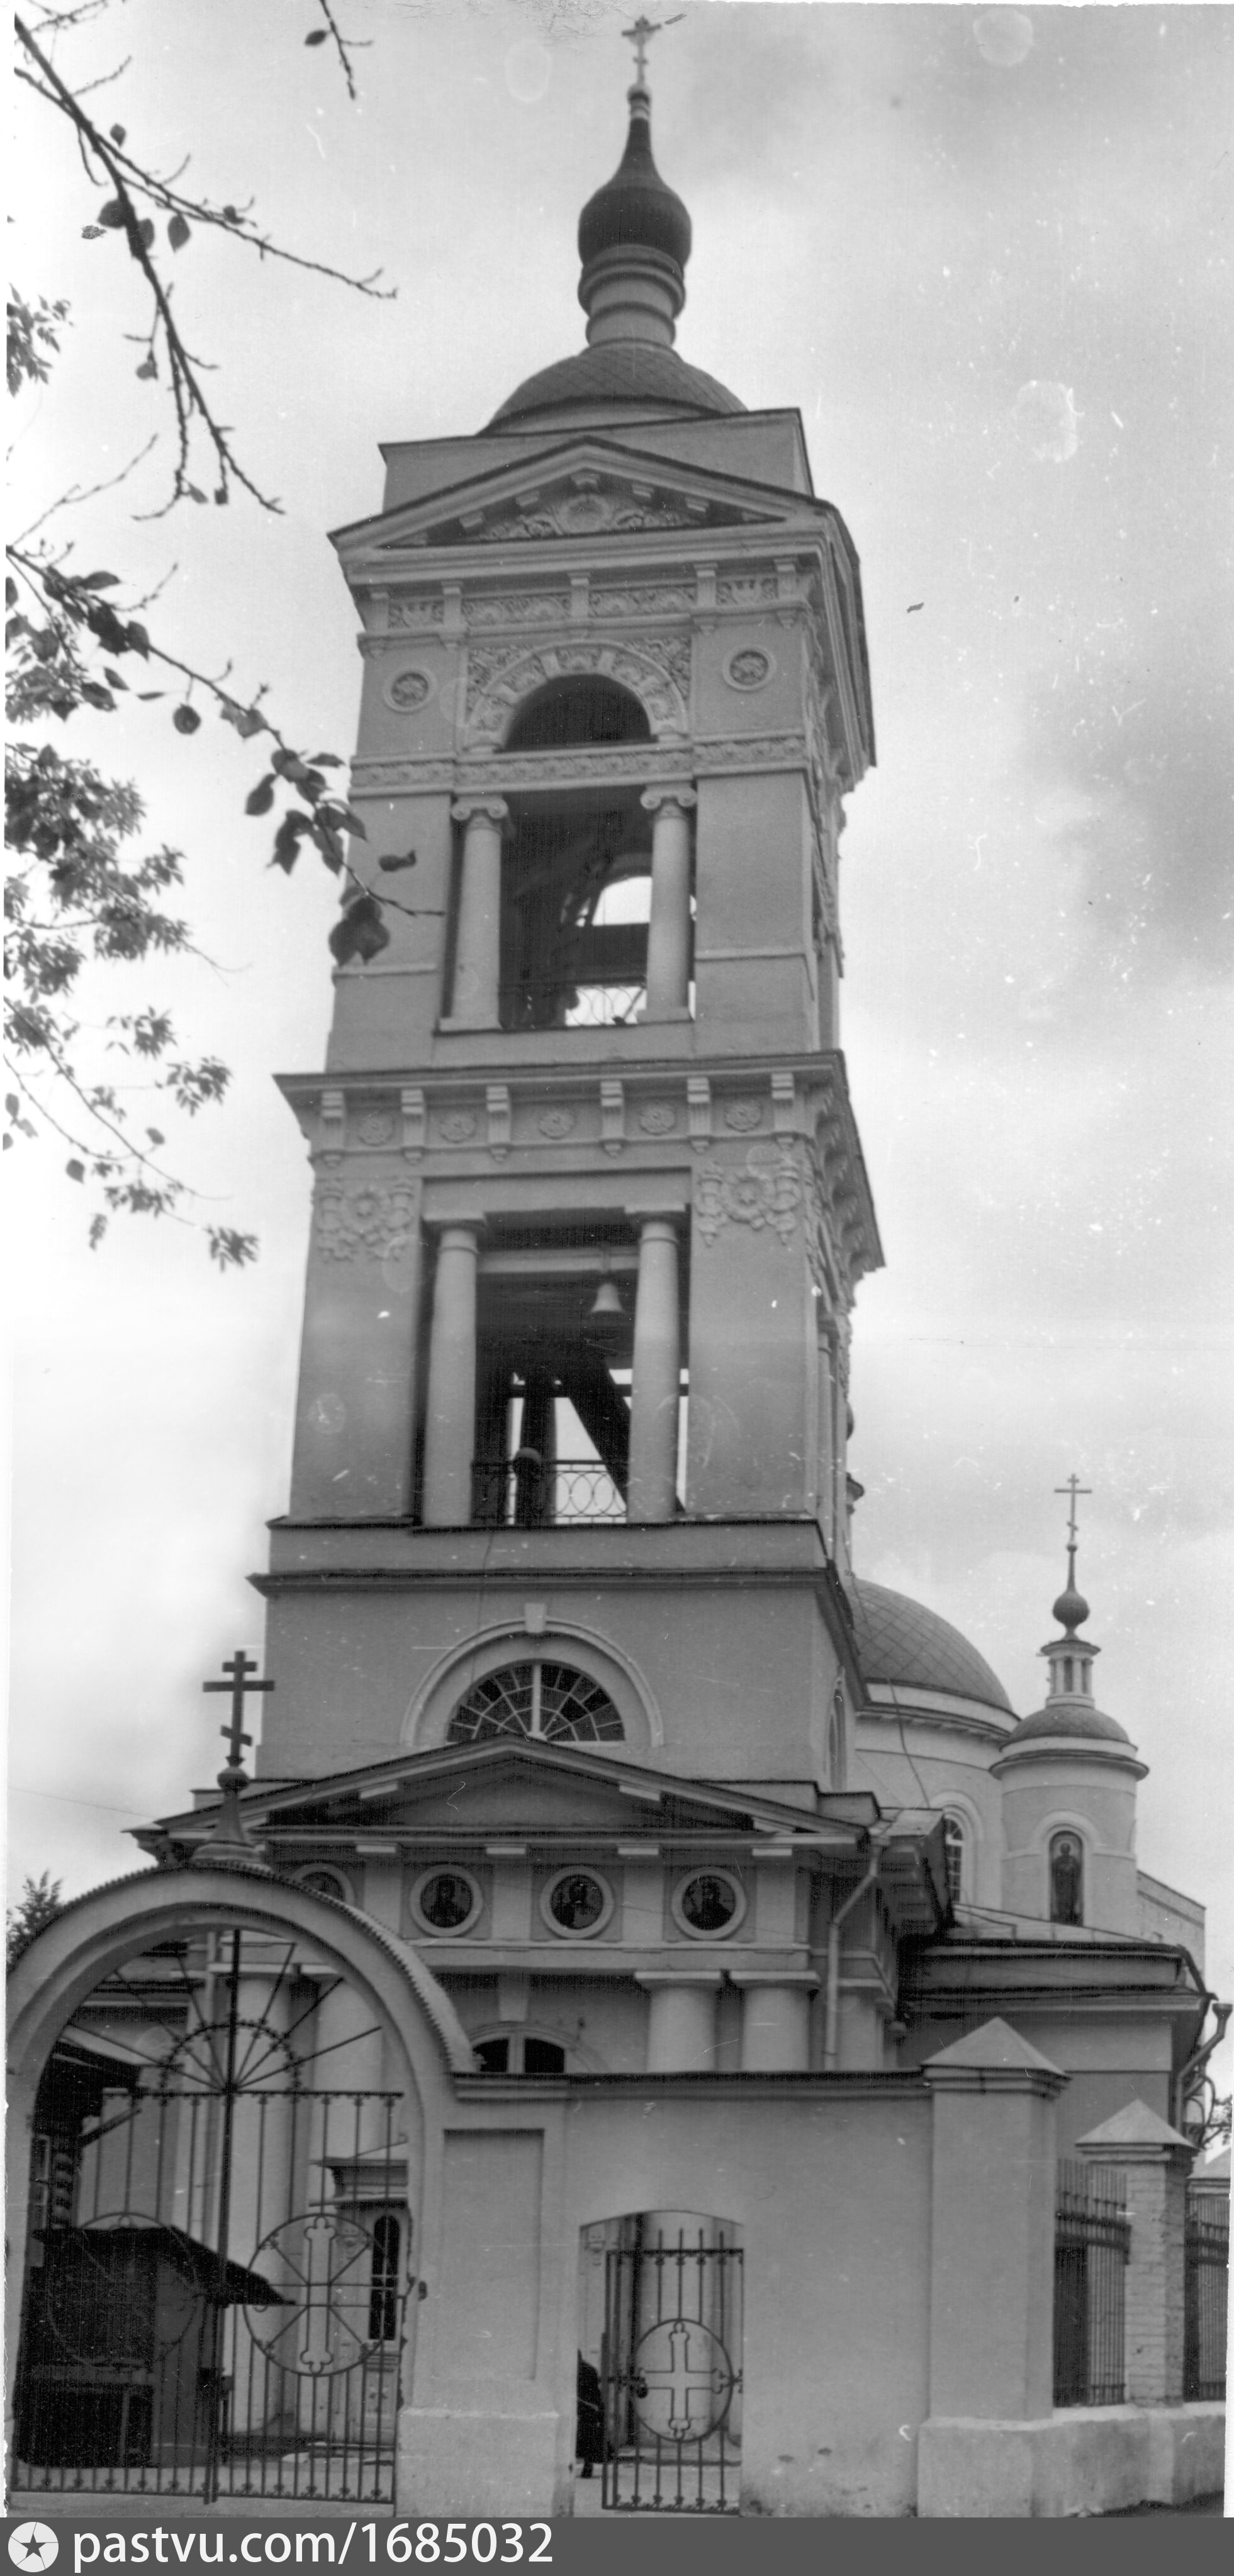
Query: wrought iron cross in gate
[
  {"x": 679, "y": 2377},
  {"x": 238, "y": 1683}
]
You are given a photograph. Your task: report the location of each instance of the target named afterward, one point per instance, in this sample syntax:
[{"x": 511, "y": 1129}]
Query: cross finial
[
  {"x": 640, "y": 35},
  {"x": 1074, "y": 1488},
  {"x": 238, "y": 1683}
]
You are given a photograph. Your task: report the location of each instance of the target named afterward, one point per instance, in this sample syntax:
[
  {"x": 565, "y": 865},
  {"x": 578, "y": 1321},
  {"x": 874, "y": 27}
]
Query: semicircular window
[{"x": 549, "y": 1703}]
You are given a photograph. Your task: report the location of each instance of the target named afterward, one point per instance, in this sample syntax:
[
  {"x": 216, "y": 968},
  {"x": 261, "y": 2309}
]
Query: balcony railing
[
  {"x": 524, "y": 1493},
  {"x": 560, "y": 1004}
]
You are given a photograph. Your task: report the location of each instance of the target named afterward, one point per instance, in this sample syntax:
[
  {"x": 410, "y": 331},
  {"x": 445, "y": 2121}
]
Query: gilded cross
[
  {"x": 640, "y": 35},
  {"x": 238, "y": 1683}
]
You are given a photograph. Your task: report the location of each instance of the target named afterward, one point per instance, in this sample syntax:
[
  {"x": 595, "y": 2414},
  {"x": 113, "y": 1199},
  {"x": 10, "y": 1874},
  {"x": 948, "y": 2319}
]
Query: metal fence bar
[
  {"x": 1092, "y": 2238},
  {"x": 1206, "y": 2280},
  {"x": 517, "y": 1492}
]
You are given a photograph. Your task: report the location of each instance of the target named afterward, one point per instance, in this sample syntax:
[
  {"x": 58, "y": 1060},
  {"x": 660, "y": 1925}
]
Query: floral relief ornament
[
  {"x": 376, "y": 1222},
  {"x": 457, "y": 1126},
  {"x": 659, "y": 1118},
  {"x": 765, "y": 1190}
]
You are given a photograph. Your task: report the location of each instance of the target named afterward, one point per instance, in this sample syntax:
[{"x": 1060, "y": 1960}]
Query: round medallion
[
  {"x": 576, "y": 1904},
  {"x": 557, "y": 1122},
  {"x": 748, "y": 668},
  {"x": 446, "y": 1901},
  {"x": 659, "y": 1118},
  {"x": 376, "y": 1127},
  {"x": 457, "y": 1126},
  {"x": 709, "y": 1905},
  {"x": 742, "y": 1115},
  {"x": 408, "y": 689}
]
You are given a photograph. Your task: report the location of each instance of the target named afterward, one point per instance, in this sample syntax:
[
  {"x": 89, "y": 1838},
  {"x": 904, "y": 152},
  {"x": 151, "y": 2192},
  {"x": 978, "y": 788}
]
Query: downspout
[
  {"x": 832, "y": 2004},
  {"x": 1199, "y": 2060}
]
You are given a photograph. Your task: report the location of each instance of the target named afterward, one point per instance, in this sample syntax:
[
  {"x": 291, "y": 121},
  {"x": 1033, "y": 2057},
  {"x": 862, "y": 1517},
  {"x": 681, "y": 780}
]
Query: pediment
[
  {"x": 503, "y": 1788},
  {"x": 586, "y": 489}
]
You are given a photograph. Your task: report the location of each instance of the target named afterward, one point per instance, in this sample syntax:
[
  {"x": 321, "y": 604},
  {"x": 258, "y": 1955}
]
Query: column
[
  {"x": 681, "y": 2021},
  {"x": 775, "y": 2019},
  {"x": 477, "y": 953},
  {"x": 451, "y": 1416},
  {"x": 991, "y": 2273},
  {"x": 655, "y": 1394},
  {"x": 668, "y": 939},
  {"x": 1157, "y": 2162}
]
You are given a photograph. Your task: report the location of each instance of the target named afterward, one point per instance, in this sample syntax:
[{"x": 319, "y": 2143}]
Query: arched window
[
  {"x": 548, "y": 1703},
  {"x": 520, "y": 2053},
  {"x": 953, "y": 1844},
  {"x": 383, "y": 2279},
  {"x": 583, "y": 709},
  {"x": 1066, "y": 1878}
]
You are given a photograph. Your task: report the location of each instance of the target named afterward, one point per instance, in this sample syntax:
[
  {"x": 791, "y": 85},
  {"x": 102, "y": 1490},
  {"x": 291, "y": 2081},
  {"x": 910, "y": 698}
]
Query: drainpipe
[
  {"x": 1196, "y": 2063},
  {"x": 831, "y": 2043}
]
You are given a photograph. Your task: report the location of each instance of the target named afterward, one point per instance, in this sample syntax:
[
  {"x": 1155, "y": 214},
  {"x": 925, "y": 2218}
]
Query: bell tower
[{"x": 590, "y": 1208}]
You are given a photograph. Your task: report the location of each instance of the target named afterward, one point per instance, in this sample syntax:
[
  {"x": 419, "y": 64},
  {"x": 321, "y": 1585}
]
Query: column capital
[
  {"x": 459, "y": 1235},
  {"x": 655, "y": 800},
  {"x": 494, "y": 808}
]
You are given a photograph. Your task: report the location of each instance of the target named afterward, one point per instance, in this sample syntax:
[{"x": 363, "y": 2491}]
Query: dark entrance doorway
[{"x": 217, "y": 2282}]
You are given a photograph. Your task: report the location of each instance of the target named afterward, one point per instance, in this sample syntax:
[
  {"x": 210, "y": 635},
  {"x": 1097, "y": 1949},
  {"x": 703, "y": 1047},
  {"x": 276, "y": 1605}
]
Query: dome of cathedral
[
  {"x": 1076, "y": 1719},
  {"x": 618, "y": 371},
  {"x": 901, "y": 1642}
]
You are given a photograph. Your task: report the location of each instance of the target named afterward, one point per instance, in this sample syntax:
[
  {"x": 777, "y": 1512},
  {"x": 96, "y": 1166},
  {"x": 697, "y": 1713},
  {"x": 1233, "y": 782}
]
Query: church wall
[
  {"x": 755, "y": 975},
  {"x": 940, "y": 1769},
  {"x": 385, "y": 1013},
  {"x": 1165, "y": 1915},
  {"x": 1092, "y": 1798},
  {"x": 1109, "y": 2058}
]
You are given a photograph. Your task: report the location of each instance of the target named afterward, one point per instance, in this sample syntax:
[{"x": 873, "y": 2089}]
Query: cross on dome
[
  {"x": 640, "y": 35},
  {"x": 1071, "y": 1607}
]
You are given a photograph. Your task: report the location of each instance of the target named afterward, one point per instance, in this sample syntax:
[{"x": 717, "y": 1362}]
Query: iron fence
[
  {"x": 1206, "y": 2279},
  {"x": 557, "y": 1002},
  {"x": 1092, "y": 2238},
  {"x": 526, "y": 1492}
]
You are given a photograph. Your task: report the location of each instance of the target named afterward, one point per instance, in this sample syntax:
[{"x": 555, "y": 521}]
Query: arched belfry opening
[{"x": 585, "y": 707}]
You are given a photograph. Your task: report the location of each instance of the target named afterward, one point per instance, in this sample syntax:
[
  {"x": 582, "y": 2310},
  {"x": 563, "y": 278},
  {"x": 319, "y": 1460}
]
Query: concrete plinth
[
  {"x": 1086, "y": 2460},
  {"x": 468, "y": 2460}
]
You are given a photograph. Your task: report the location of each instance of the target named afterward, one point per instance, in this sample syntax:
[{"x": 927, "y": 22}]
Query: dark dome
[
  {"x": 634, "y": 209},
  {"x": 1069, "y": 1718},
  {"x": 900, "y": 1641},
  {"x": 618, "y": 371}
]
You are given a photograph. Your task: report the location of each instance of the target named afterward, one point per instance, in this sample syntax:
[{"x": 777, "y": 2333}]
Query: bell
[{"x": 606, "y": 1306}]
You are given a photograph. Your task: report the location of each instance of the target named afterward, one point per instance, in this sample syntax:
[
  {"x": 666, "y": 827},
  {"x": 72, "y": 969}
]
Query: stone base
[
  {"x": 1083, "y": 2459},
  {"x": 466, "y": 2460}
]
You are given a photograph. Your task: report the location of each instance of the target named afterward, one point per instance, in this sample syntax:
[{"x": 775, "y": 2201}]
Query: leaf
[
  {"x": 92, "y": 232},
  {"x": 98, "y": 1228},
  {"x": 144, "y": 236},
  {"x": 360, "y": 933},
  {"x": 178, "y": 232},
  {"x": 144, "y": 696},
  {"x": 138, "y": 638},
  {"x": 318, "y": 37},
  {"x": 111, "y": 216},
  {"x": 156, "y": 1135},
  {"x": 76, "y": 1171},
  {"x": 287, "y": 840},
  {"x": 8, "y": 1144},
  {"x": 12, "y": 1103},
  {"x": 261, "y": 797},
  {"x": 117, "y": 133},
  {"x": 148, "y": 367},
  {"x": 114, "y": 677},
  {"x": 10, "y": 592},
  {"x": 231, "y": 214},
  {"x": 193, "y": 493},
  {"x": 186, "y": 719},
  {"x": 98, "y": 580}
]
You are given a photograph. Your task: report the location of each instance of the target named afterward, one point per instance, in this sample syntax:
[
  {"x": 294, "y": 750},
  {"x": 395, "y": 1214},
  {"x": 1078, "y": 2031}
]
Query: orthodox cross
[
  {"x": 640, "y": 35},
  {"x": 1074, "y": 1488},
  {"x": 238, "y": 1683}
]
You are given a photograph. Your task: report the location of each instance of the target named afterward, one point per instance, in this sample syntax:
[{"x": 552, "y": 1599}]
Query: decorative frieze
[
  {"x": 415, "y": 614},
  {"x": 656, "y": 671},
  {"x": 763, "y": 1191},
  {"x": 519, "y": 608}
]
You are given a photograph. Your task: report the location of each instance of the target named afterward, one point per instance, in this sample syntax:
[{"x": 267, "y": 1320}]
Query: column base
[{"x": 472, "y": 2461}]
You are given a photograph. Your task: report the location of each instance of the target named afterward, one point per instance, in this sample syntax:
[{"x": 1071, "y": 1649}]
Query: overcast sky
[{"x": 984, "y": 252}]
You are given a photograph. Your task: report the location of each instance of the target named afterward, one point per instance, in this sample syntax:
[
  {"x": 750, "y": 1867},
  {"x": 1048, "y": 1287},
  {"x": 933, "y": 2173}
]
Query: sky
[{"x": 984, "y": 251}]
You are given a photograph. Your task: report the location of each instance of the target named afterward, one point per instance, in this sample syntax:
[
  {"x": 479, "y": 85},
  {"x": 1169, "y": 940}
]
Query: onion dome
[
  {"x": 635, "y": 209},
  {"x": 634, "y": 371},
  {"x": 1078, "y": 1720}
]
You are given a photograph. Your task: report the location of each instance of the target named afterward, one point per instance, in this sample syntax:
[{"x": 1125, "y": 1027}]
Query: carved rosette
[
  {"x": 763, "y": 1191},
  {"x": 356, "y": 1225}
]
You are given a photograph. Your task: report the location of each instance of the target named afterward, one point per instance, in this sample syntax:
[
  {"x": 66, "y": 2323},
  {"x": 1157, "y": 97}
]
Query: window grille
[{"x": 549, "y": 1703}]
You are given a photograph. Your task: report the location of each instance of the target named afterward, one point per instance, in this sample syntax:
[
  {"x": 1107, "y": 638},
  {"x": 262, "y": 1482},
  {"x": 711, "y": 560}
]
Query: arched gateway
[{"x": 224, "y": 2092}]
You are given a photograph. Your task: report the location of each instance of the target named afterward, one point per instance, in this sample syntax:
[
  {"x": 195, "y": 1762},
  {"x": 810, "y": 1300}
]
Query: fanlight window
[{"x": 549, "y": 1703}]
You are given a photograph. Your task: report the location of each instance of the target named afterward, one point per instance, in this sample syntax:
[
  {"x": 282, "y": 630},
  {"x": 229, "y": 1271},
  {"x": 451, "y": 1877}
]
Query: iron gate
[
  {"x": 217, "y": 2287},
  {"x": 670, "y": 2376}
]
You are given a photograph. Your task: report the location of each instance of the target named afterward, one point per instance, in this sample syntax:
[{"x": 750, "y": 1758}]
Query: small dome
[
  {"x": 633, "y": 371},
  {"x": 634, "y": 209},
  {"x": 1072, "y": 1719},
  {"x": 902, "y": 1642}
]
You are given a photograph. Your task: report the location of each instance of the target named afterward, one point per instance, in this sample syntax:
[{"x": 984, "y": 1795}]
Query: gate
[
  {"x": 1092, "y": 2238},
  {"x": 671, "y": 2376},
  {"x": 218, "y": 2274},
  {"x": 1206, "y": 2295}
]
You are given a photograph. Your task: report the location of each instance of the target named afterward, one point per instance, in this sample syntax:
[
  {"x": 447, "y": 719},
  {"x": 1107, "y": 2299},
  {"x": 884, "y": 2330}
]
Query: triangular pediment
[
  {"x": 586, "y": 489},
  {"x": 506, "y": 1787}
]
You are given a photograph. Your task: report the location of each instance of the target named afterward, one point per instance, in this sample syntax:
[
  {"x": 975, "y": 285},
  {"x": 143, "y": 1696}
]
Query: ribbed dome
[
  {"x": 1070, "y": 1719},
  {"x": 634, "y": 209},
  {"x": 633, "y": 371},
  {"x": 901, "y": 1642}
]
